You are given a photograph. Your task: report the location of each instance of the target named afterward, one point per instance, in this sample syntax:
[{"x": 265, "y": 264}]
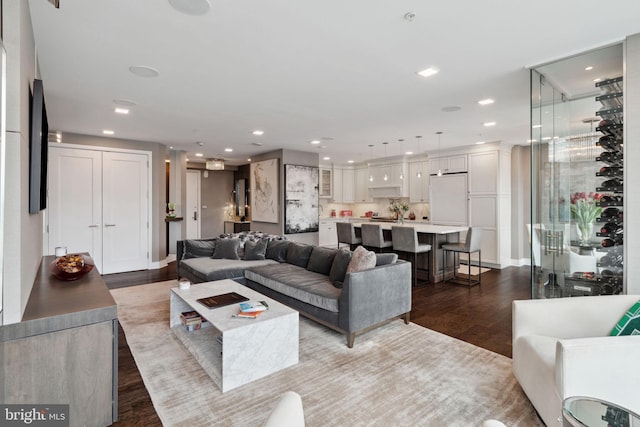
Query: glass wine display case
[{"x": 577, "y": 162}]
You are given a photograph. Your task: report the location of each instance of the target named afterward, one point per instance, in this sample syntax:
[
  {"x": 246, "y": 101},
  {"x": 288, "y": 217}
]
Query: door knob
[{"x": 195, "y": 216}]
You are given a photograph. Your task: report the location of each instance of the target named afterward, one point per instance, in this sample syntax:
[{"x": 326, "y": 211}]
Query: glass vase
[{"x": 585, "y": 231}]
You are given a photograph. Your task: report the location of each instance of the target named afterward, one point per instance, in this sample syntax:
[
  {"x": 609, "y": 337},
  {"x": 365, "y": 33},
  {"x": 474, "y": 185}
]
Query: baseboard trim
[{"x": 156, "y": 265}]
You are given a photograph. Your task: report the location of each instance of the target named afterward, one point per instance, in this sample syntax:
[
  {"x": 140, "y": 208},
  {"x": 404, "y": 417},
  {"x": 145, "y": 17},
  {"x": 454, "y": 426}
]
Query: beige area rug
[{"x": 396, "y": 375}]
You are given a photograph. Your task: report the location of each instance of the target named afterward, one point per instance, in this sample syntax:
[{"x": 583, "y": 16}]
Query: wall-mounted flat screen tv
[{"x": 38, "y": 149}]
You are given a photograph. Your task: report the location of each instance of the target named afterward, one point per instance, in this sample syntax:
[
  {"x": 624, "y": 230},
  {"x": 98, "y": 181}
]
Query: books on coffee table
[
  {"x": 216, "y": 301},
  {"x": 253, "y": 306}
]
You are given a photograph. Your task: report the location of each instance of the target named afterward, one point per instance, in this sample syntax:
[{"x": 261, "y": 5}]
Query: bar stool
[
  {"x": 347, "y": 234},
  {"x": 473, "y": 243},
  {"x": 405, "y": 239},
  {"x": 373, "y": 237}
]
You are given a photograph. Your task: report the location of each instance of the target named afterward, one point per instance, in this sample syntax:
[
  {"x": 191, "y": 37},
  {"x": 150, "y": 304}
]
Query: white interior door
[
  {"x": 75, "y": 202},
  {"x": 192, "y": 209},
  {"x": 125, "y": 212}
]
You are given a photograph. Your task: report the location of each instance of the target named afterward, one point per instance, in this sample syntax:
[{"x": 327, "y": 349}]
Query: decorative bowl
[{"x": 71, "y": 267}]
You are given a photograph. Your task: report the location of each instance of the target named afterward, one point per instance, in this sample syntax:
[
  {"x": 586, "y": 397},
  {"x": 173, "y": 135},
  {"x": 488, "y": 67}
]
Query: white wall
[{"x": 23, "y": 232}]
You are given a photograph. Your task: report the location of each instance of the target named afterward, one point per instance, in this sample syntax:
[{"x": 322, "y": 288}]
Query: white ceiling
[{"x": 340, "y": 70}]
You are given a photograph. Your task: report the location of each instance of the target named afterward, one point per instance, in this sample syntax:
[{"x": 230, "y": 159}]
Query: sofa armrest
[
  {"x": 375, "y": 295},
  {"x": 605, "y": 368},
  {"x": 576, "y": 317}
]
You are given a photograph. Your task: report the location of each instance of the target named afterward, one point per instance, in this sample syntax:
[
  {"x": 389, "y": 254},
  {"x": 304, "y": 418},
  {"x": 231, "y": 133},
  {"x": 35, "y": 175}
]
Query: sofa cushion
[
  {"x": 227, "y": 249},
  {"x": 299, "y": 254},
  {"x": 362, "y": 259},
  {"x": 255, "y": 250},
  {"x": 207, "y": 269},
  {"x": 277, "y": 250},
  {"x": 198, "y": 248},
  {"x": 299, "y": 283},
  {"x": 629, "y": 324},
  {"x": 339, "y": 267},
  {"x": 321, "y": 260},
  {"x": 386, "y": 258}
]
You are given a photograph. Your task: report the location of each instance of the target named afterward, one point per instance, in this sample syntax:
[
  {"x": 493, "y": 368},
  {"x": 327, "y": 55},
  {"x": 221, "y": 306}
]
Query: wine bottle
[
  {"x": 610, "y": 227},
  {"x": 610, "y": 201},
  {"x": 612, "y": 260},
  {"x": 612, "y": 183},
  {"x": 611, "y": 171},
  {"x": 611, "y": 213},
  {"x": 609, "y": 142},
  {"x": 610, "y": 157},
  {"x": 608, "y": 242}
]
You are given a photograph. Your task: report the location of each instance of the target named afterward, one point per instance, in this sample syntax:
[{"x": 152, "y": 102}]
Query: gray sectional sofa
[{"x": 311, "y": 279}]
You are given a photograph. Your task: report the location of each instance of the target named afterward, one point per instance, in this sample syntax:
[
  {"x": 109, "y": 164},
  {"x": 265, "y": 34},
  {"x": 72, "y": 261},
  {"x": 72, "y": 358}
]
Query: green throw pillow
[{"x": 630, "y": 322}]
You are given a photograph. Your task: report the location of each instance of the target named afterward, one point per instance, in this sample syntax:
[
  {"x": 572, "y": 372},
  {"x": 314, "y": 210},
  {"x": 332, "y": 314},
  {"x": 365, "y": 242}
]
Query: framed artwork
[
  {"x": 264, "y": 191},
  {"x": 301, "y": 199}
]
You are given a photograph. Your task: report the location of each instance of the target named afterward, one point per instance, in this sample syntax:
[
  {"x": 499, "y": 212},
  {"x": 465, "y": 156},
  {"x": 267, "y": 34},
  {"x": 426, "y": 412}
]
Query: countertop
[{"x": 420, "y": 228}]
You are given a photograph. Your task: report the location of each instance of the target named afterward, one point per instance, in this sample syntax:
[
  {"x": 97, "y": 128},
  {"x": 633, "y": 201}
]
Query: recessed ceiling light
[
  {"x": 589, "y": 68},
  {"x": 488, "y": 124},
  {"x": 350, "y": 161},
  {"x": 249, "y": 159},
  {"x": 597, "y": 80},
  {"x": 258, "y": 132},
  {"x": 171, "y": 147},
  {"x": 536, "y": 126},
  {"x": 228, "y": 150},
  {"x": 315, "y": 142},
  {"x": 120, "y": 110},
  {"x": 408, "y": 153},
  {"x": 199, "y": 154},
  {"x": 546, "y": 138},
  {"x": 487, "y": 101},
  {"x": 191, "y": 7},
  {"x": 144, "y": 71},
  {"x": 124, "y": 102},
  {"x": 451, "y": 109},
  {"x": 532, "y": 140},
  {"x": 428, "y": 72},
  {"x": 257, "y": 144},
  {"x": 480, "y": 142},
  {"x": 326, "y": 158},
  {"x": 107, "y": 132}
]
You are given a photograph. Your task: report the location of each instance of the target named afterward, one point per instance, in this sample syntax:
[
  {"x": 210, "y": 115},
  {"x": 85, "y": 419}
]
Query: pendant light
[
  {"x": 401, "y": 154},
  {"x": 386, "y": 176},
  {"x": 419, "y": 173},
  {"x": 439, "y": 133},
  {"x": 370, "y": 158}
]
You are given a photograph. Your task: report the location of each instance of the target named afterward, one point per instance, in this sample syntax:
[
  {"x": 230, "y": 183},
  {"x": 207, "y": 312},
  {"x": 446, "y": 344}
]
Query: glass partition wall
[{"x": 576, "y": 229}]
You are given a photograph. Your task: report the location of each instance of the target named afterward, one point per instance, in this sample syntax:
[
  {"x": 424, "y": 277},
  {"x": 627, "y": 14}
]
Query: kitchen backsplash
[{"x": 381, "y": 207}]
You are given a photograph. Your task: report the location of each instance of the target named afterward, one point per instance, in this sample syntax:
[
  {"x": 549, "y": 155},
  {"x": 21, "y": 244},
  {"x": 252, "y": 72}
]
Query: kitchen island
[{"x": 434, "y": 235}]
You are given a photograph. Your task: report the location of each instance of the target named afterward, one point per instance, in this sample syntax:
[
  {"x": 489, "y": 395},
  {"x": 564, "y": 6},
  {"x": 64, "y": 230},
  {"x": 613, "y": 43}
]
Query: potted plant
[{"x": 399, "y": 208}]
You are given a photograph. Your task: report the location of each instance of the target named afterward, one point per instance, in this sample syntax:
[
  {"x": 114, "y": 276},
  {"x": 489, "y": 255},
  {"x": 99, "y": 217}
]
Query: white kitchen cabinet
[
  {"x": 362, "y": 185},
  {"x": 348, "y": 185},
  {"x": 328, "y": 234},
  {"x": 418, "y": 182},
  {"x": 326, "y": 182},
  {"x": 338, "y": 190},
  {"x": 391, "y": 172},
  {"x": 449, "y": 164}
]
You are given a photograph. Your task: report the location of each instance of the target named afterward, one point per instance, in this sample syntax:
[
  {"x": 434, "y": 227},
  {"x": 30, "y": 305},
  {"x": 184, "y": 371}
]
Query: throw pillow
[
  {"x": 299, "y": 254},
  {"x": 198, "y": 248},
  {"x": 277, "y": 250},
  {"x": 227, "y": 249},
  {"x": 630, "y": 322},
  {"x": 339, "y": 267},
  {"x": 321, "y": 260},
  {"x": 362, "y": 259},
  {"x": 255, "y": 250}
]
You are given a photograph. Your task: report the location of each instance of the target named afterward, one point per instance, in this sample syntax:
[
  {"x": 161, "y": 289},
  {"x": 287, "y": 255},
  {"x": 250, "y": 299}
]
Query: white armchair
[
  {"x": 562, "y": 348},
  {"x": 288, "y": 412}
]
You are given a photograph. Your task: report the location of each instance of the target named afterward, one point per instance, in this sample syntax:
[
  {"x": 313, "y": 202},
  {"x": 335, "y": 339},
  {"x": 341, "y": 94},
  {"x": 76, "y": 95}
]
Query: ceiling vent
[{"x": 215, "y": 165}]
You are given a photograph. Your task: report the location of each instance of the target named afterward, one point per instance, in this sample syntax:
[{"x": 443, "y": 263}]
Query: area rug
[{"x": 396, "y": 375}]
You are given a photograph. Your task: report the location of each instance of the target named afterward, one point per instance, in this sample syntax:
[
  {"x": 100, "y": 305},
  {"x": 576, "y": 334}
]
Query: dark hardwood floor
[{"x": 480, "y": 315}]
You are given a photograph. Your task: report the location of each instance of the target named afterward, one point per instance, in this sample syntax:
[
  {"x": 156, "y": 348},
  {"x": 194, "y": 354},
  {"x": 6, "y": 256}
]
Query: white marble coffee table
[{"x": 251, "y": 349}]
